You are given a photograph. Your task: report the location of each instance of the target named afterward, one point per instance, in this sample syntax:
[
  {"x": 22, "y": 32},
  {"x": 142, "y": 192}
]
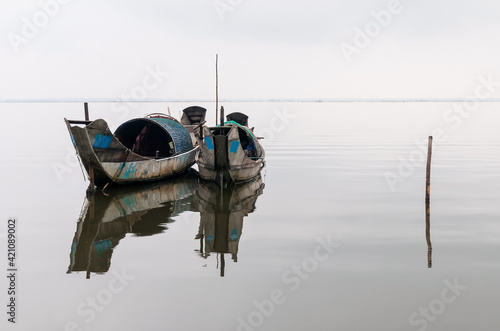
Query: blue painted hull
[{"x": 107, "y": 160}]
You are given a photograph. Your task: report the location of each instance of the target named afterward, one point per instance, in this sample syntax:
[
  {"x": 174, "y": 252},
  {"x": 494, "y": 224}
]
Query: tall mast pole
[{"x": 216, "y": 88}]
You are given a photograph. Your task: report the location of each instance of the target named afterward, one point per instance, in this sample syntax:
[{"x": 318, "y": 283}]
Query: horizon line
[{"x": 230, "y": 100}]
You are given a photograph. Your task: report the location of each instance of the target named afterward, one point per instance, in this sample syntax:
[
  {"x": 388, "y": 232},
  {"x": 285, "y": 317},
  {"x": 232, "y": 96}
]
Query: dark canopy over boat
[
  {"x": 193, "y": 115},
  {"x": 192, "y": 119},
  {"x": 239, "y": 118},
  {"x": 154, "y": 137}
]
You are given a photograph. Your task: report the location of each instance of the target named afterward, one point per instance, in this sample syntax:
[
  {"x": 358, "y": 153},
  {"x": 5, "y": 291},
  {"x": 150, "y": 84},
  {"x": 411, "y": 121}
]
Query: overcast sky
[{"x": 267, "y": 49}]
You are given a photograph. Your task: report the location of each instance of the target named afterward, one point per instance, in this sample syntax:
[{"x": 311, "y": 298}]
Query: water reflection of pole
[
  {"x": 86, "y": 234},
  {"x": 92, "y": 213},
  {"x": 427, "y": 204},
  {"x": 222, "y": 264},
  {"x": 201, "y": 237},
  {"x": 428, "y": 234},
  {"x": 221, "y": 229}
]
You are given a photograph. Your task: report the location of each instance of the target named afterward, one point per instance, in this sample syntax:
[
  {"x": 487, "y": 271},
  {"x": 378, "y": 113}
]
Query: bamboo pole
[
  {"x": 216, "y": 88},
  {"x": 428, "y": 170},
  {"x": 91, "y": 188},
  {"x": 86, "y": 108},
  {"x": 427, "y": 204}
]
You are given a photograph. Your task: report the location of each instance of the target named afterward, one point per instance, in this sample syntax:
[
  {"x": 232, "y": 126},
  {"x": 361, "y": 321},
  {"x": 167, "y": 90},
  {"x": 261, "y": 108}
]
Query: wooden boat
[
  {"x": 192, "y": 119},
  {"x": 230, "y": 152},
  {"x": 142, "y": 149},
  {"x": 142, "y": 210},
  {"x": 221, "y": 216}
]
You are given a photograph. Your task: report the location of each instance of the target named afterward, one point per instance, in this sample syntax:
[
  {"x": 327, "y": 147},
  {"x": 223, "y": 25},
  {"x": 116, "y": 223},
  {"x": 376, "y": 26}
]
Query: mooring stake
[
  {"x": 86, "y": 107},
  {"x": 216, "y": 87},
  {"x": 428, "y": 170},
  {"x": 91, "y": 188},
  {"x": 427, "y": 204}
]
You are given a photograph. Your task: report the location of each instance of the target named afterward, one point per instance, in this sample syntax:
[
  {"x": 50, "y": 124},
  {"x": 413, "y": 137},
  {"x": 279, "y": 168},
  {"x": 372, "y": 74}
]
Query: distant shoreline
[{"x": 305, "y": 100}]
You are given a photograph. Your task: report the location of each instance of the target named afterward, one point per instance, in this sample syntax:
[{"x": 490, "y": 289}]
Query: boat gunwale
[{"x": 171, "y": 157}]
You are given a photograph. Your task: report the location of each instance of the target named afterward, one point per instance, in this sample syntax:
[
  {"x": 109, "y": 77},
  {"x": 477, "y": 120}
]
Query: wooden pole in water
[
  {"x": 86, "y": 108},
  {"x": 91, "y": 188},
  {"x": 221, "y": 115},
  {"x": 91, "y": 167},
  {"x": 427, "y": 204},
  {"x": 428, "y": 170},
  {"x": 216, "y": 88}
]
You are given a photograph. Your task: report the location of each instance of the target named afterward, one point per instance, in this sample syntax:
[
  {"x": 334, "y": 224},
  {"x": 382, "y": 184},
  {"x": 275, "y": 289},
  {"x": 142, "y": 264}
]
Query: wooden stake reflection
[{"x": 428, "y": 233}]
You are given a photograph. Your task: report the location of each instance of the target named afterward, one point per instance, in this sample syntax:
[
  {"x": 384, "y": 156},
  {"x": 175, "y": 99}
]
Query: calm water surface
[{"x": 331, "y": 237}]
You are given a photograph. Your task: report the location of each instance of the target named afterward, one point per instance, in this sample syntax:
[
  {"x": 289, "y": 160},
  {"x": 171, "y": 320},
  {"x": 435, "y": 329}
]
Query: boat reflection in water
[
  {"x": 222, "y": 211},
  {"x": 143, "y": 210},
  {"x": 146, "y": 209}
]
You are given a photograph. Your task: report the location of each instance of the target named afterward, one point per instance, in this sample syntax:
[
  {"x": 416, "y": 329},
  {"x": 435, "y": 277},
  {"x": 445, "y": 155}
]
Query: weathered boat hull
[
  {"x": 143, "y": 210},
  {"x": 221, "y": 216},
  {"x": 237, "y": 173},
  {"x": 107, "y": 160},
  {"x": 223, "y": 158}
]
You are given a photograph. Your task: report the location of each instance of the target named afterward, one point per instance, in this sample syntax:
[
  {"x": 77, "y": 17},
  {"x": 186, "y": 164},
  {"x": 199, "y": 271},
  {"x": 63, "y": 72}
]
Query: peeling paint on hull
[
  {"x": 112, "y": 162},
  {"x": 239, "y": 166}
]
